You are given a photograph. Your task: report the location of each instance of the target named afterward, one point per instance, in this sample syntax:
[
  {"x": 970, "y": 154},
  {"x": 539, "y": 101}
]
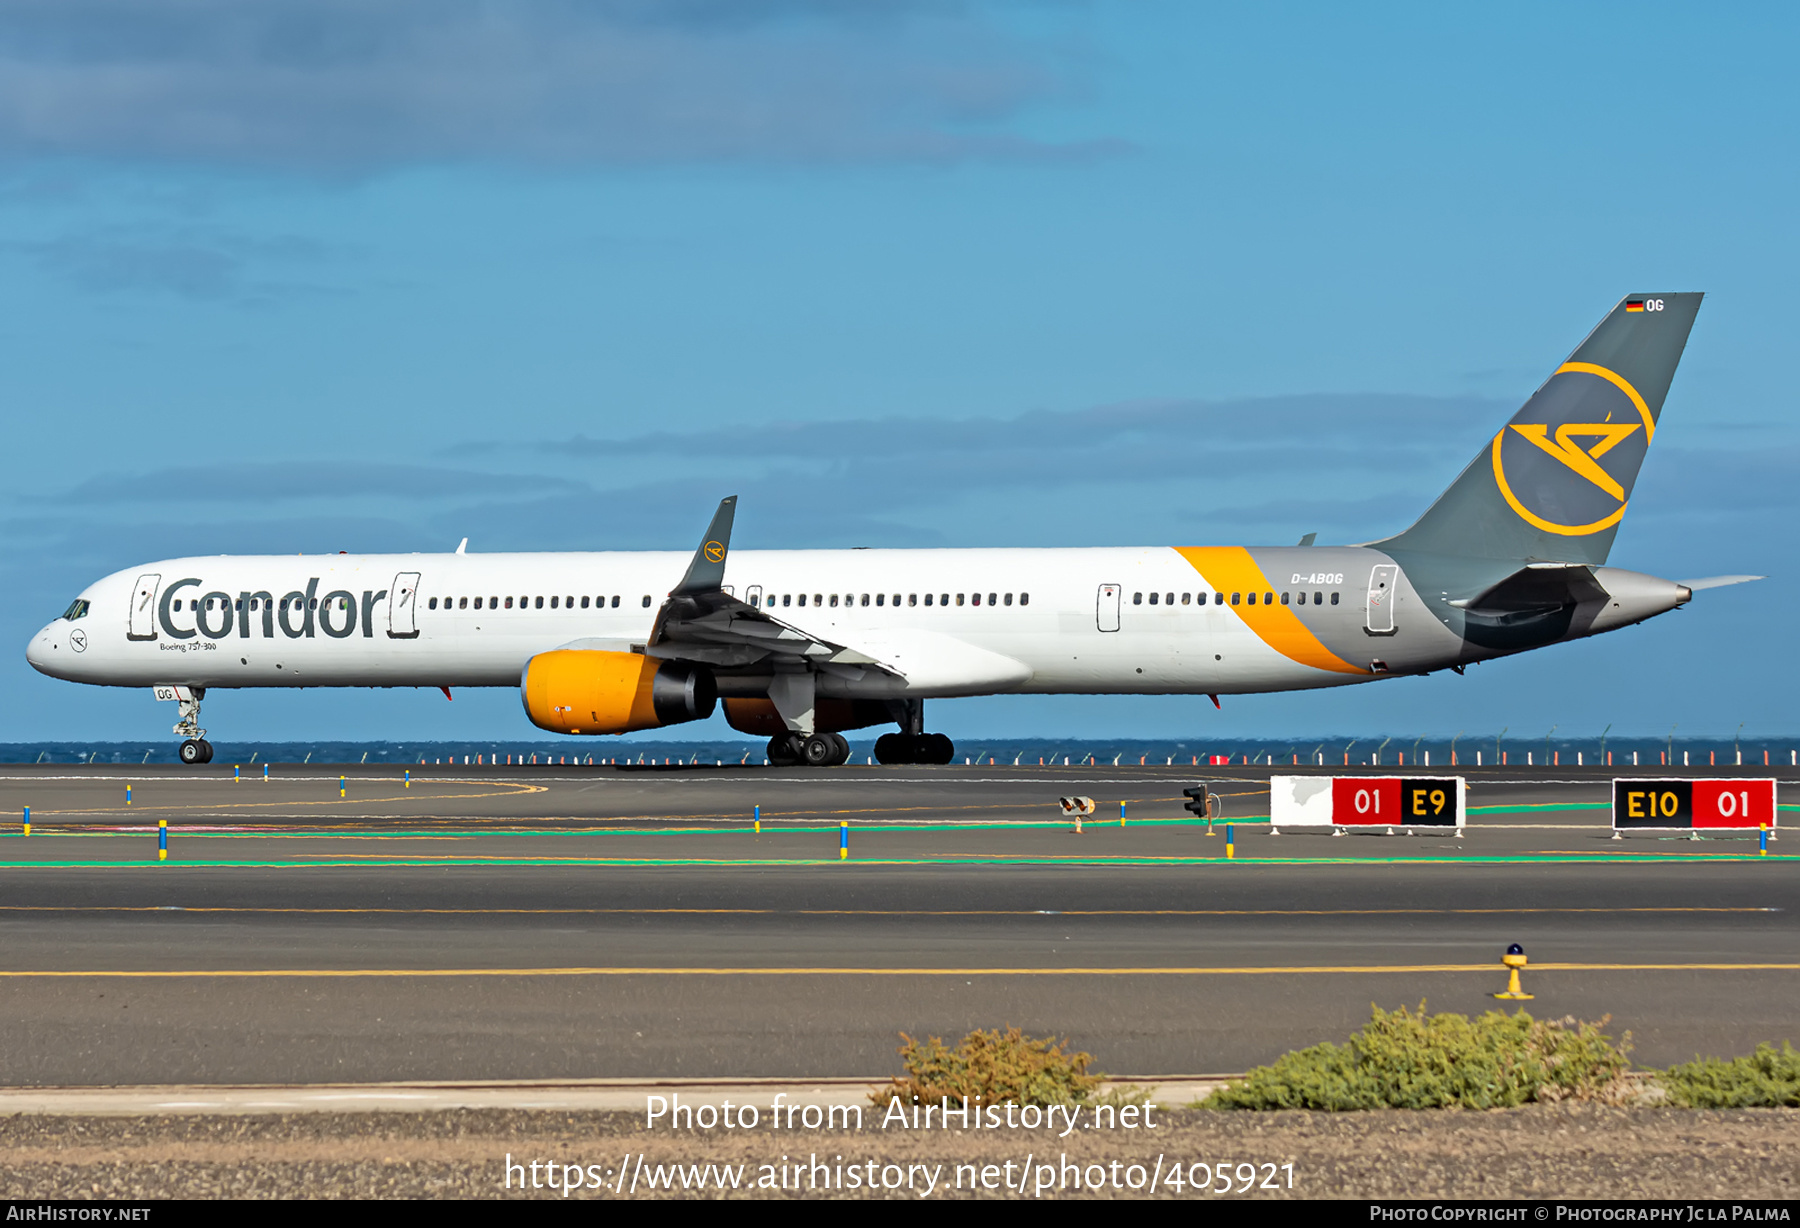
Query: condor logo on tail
[{"x": 1569, "y": 467}]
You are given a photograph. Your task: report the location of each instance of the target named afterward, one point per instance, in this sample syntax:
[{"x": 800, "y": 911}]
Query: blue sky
[{"x": 323, "y": 276}]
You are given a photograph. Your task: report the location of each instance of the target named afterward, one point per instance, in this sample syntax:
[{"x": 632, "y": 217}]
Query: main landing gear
[
  {"x": 816, "y": 750},
  {"x": 195, "y": 749},
  {"x": 914, "y": 748}
]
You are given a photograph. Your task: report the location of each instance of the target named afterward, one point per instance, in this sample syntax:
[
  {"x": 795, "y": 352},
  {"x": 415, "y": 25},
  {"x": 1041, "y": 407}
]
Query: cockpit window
[{"x": 77, "y": 609}]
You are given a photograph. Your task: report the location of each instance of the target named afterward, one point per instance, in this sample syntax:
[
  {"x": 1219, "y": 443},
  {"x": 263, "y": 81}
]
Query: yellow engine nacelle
[{"x": 578, "y": 691}]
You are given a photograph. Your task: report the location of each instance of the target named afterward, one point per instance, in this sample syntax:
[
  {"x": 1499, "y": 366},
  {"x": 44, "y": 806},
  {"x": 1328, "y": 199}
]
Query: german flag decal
[{"x": 1633, "y": 304}]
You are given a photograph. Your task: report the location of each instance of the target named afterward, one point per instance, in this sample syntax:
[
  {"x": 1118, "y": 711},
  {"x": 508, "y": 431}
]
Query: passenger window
[
  {"x": 802, "y": 599},
  {"x": 1250, "y": 599},
  {"x": 615, "y": 603},
  {"x": 584, "y": 603},
  {"x": 896, "y": 598},
  {"x": 974, "y": 598},
  {"x": 478, "y": 603},
  {"x": 1302, "y": 599},
  {"x": 818, "y": 599},
  {"x": 1024, "y": 598},
  {"x": 1234, "y": 599},
  {"x": 991, "y": 597},
  {"x": 865, "y": 599},
  {"x": 1318, "y": 598},
  {"x": 1268, "y": 598},
  {"x": 834, "y": 601},
  {"x": 509, "y": 603},
  {"x": 880, "y": 598},
  {"x": 568, "y": 603},
  {"x": 646, "y": 600},
  {"x": 1284, "y": 599},
  {"x": 1137, "y": 599},
  {"x": 1009, "y": 599},
  {"x": 959, "y": 599},
  {"x": 1334, "y": 599},
  {"x": 540, "y": 603},
  {"x": 1168, "y": 598},
  {"x": 787, "y": 599},
  {"x": 1154, "y": 597},
  {"x": 432, "y": 605},
  {"x": 1218, "y": 598},
  {"x": 944, "y": 599},
  {"x": 927, "y": 598},
  {"x": 1186, "y": 598},
  {"x": 912, "y": 599}
]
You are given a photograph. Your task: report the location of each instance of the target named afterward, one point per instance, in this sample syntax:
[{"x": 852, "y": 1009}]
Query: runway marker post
[
  {"x": 27, "y": 820},
  {"x": 1121, "y": 814},
  {"x": 162, "y": 839},
  {"x": 1514, "y": 959},
  {"x": 340, "y": 786},
  {"x": 1762, "y": 840},
  {"x": 409, "y": 778},
  {"x": 757, "y": 811},
  {"x": 237, "y": 773},
  {"x": 843, "y": 841},
  {"x": 1230, "y": 843},
  {"x": 128, "y": 795}
]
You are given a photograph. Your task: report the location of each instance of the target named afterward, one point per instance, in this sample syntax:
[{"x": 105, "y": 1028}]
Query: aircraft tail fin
[{"x": 1554, "y": 483}]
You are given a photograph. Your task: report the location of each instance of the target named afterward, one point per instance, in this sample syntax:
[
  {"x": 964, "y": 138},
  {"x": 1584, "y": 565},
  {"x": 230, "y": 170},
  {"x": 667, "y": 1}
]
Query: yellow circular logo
[
  {"x": 1566, "y": 461},
  {"x": 714, "y": 551}
]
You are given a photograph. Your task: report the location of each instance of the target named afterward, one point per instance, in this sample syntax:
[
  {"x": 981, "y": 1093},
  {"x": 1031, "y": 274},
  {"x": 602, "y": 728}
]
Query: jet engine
[{"x": 583, "y": 691}]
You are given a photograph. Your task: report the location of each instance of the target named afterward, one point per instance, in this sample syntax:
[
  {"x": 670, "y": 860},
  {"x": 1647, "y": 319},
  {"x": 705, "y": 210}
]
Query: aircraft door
[
  {"x": 142, "y": 625},
  {"x": 753, "y": 595},
  {"x": 1382, "y": 583},
  {"x": 403, "y": 607},
  {"x": 1106, "y": 608}
]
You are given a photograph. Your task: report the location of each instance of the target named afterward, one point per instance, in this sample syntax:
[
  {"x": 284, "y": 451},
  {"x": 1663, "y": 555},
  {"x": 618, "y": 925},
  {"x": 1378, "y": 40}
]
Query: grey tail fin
[
  {"x": 1554, "y": 483},
  {"x": 707, "y": 569}
]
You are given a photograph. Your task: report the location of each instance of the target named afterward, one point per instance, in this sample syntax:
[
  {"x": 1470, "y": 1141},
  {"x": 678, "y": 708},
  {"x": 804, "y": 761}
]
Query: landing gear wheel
[
  {"x": 205, "y": 751},
  {"x": 820, "y": 750},
  {"x": 194, "y": 751},
  {"x": 842, "y": 756},
  {"x": 785, "y": 749},
  {"x": 894, "y": 748},
  {"x": 936, "y": 748}
]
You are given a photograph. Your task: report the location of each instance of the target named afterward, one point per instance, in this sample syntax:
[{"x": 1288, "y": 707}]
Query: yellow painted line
[
  {"x": 1298, "y": 970},
  {"x": 511, "y": 789}
]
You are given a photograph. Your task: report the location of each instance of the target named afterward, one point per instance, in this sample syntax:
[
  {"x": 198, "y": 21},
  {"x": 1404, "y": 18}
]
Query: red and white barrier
[{"x": 1367, "y": 801}]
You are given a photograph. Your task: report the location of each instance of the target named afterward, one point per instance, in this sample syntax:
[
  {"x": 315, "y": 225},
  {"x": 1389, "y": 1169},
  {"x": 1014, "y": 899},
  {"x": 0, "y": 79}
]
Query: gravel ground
[{"x": 1536, "y": 1152}]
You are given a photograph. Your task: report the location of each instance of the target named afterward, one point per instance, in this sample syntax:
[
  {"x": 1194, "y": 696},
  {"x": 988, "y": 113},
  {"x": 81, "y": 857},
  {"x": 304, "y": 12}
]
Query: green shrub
[
  {"x": 1407, "y": 1060},
  {"x": 996, "y": 1066},
  {"x": 1767, "y": 1079}
]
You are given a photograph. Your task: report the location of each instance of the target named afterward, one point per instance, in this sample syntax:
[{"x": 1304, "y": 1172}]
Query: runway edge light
[{"x": 1514, "y": 959}]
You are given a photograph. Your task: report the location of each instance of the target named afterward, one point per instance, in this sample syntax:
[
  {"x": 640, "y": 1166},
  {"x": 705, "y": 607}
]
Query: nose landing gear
[{"x": 195, "y": 749}]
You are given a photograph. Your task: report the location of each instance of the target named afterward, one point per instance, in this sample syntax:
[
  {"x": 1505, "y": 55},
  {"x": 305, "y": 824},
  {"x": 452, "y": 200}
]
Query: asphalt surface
[{"x": 565, "y": 923}]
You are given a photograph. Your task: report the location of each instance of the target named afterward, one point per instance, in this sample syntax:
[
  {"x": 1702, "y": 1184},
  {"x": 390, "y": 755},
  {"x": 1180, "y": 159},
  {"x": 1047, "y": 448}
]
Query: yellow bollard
[
  {"x": 340, "y": 786},
  {"x": 162, "y": 839},
  {"x": 758, "y": 814},
  {"x": 128, "y": 795},
  {"x": 1514, "y": 959},
  {"x": 1230, "y": 843},
  {"x": 27, "y": 821}
]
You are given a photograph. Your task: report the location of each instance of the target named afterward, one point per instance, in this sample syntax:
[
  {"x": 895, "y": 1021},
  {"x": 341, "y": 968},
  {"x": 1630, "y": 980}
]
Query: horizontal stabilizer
[
  {"x": 1718, "y": 582},
  {"x": 1538, "y": 586}
]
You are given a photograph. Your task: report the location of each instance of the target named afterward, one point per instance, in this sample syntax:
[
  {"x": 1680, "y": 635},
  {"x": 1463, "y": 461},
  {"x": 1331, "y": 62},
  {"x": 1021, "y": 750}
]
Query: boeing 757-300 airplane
[{"x": 800, "y": 645}]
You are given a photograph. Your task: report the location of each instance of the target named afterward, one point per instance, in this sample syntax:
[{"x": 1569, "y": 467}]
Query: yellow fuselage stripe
[{"x": 1230, "y": 569}]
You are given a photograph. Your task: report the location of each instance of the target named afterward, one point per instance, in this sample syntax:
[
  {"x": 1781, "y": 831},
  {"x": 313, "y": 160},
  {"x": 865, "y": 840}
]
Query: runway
[{"x": 571, "y": 923}]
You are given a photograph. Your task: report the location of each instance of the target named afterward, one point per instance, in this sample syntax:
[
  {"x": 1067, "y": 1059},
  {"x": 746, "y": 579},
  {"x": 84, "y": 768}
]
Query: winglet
[{"x": 707, "y": 572}]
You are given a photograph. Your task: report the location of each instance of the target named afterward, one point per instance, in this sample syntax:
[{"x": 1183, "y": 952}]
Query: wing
[{"x": 701, "y": 622}]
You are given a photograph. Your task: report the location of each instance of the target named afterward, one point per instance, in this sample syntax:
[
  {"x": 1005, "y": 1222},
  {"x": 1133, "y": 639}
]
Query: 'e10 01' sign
[{"x": 1687, "y": 804}]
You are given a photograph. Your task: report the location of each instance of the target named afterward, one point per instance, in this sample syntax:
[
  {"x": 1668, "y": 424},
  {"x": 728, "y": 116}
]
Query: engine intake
[{"x": 589, "y": 692}]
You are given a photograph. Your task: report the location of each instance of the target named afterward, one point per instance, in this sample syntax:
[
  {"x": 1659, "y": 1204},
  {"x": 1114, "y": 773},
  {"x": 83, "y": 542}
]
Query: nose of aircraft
[{"x": 49, "y": 649}]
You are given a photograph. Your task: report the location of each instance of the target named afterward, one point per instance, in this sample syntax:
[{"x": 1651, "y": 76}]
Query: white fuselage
[{"x": 999, "y": 620}]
